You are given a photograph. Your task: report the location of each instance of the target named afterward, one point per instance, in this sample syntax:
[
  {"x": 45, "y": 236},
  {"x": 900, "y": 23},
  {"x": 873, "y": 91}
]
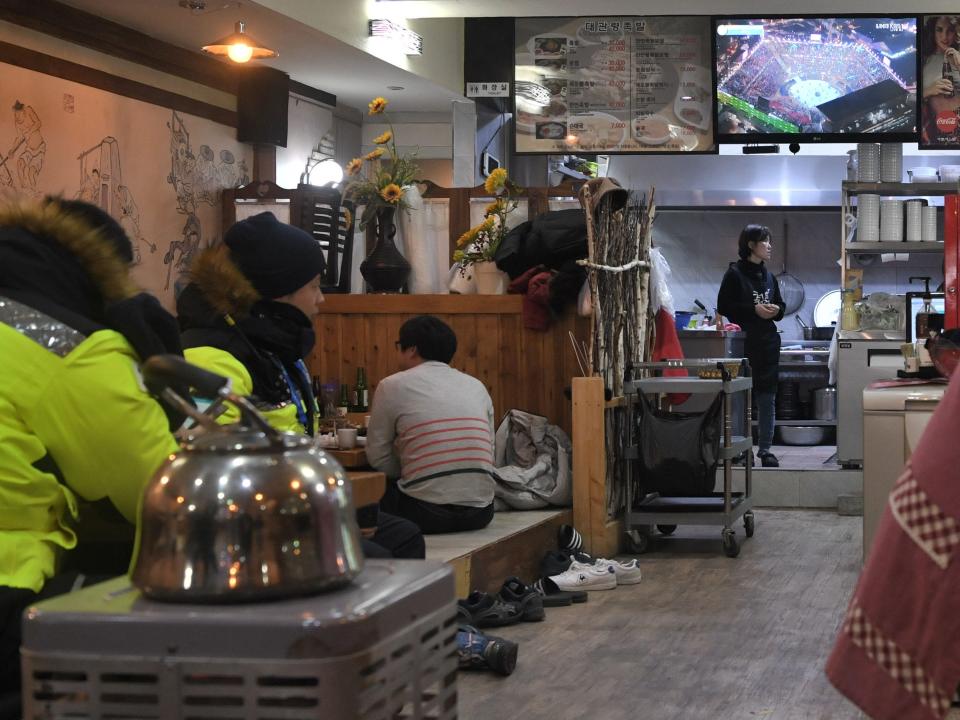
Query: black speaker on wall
[{"x": 262, "y": 98}]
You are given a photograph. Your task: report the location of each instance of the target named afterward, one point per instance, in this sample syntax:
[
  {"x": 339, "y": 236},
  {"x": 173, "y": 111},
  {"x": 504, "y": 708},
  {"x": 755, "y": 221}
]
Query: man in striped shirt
[{"x": 431, "y": 428}]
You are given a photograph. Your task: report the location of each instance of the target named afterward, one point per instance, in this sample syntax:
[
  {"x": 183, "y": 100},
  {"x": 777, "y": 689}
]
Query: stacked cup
[
  {"x": 928, "y": 228},
  {"x": 914, "y": 222},
  {"x": 868, "y": 218},
  {"x": 891, "y": 162},
  {"x": 891, "y": 221},
  {"x": 868, "y": 162}
]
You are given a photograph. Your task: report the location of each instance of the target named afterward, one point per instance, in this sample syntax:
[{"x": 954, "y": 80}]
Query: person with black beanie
[
  {"x": 750, "y": 296},
  {"x": 81, "y": 436},
  {"x": 247, "y": 314}
]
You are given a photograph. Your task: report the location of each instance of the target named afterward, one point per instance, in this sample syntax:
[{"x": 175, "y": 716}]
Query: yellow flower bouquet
[
  {"x": 378, "y": 178},
  {"x": 481, "y": 242}
]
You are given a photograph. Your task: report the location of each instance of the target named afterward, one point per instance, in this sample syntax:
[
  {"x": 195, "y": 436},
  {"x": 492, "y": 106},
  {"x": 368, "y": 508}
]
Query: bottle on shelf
[
  {"x": 317, "y": 388},
  {"x": 343, "y": 405},
  {"x": 361, "y": 395}
]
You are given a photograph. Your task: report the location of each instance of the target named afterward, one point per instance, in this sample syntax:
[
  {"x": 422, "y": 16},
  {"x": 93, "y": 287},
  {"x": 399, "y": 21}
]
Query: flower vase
[
  {"x": 385, "y": 269},
  {"x": 490, "y": 279}
]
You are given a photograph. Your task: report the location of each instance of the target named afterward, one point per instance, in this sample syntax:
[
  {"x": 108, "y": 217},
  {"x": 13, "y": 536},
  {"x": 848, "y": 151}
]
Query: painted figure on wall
[
  {"x": 101, "y": 183},
  {"x": 29, "y": 146},
  {"x": 130, "y": 222}
]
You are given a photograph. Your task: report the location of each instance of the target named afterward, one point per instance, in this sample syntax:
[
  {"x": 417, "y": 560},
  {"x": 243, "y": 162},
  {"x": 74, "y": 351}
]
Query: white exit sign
[{"x": 491, "y": 89}]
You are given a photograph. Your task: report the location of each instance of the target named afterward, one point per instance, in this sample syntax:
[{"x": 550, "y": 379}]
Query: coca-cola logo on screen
[{"x": 947, "y": 122}]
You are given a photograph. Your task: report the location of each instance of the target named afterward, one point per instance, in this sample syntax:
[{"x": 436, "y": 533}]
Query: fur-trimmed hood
[
  {"x": 107, "y": 271},
  {"x": 223, "y": 285}
]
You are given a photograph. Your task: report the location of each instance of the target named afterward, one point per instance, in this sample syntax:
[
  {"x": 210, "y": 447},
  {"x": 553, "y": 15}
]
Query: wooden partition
[{"x": 522, "y": 369}]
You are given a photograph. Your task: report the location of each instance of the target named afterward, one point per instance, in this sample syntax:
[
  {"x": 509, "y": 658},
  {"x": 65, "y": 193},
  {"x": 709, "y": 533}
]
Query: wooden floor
[{"x": 703, "y": 636}]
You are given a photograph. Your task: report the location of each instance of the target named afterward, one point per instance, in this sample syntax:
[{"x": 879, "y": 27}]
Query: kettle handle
[{"x": 163, "y": 373}]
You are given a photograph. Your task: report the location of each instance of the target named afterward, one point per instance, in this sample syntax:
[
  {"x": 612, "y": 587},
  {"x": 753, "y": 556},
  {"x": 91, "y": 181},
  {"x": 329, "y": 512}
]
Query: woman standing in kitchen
[{"x": 750, "y": 297}]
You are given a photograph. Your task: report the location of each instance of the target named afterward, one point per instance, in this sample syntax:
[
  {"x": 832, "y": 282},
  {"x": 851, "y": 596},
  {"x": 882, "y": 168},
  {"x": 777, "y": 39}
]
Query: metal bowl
[{"x": 803, "y": 434}]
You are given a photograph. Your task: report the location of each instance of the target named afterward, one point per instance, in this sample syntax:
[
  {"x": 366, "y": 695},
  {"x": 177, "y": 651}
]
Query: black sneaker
[
  {"x": 525, "y": 597},
  {"x": 768, "y": 459}
]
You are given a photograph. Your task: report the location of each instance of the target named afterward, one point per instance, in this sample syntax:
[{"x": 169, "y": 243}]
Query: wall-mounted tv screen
[{"x": 816, "y": 79}]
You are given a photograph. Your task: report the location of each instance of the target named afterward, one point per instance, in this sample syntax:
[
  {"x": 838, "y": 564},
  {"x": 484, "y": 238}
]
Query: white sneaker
[
  {"x": 586, "y": 577},
  {"x": 627, "y": 573}
]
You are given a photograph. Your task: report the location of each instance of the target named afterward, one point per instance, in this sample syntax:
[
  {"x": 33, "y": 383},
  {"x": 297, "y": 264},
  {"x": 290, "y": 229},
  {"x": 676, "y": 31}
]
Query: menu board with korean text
[{"x": 613, "y": 85}]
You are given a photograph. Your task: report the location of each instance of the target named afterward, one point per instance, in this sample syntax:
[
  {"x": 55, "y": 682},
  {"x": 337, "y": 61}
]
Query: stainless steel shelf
[
  {"x": 894, "y": 247},
  {"x": 901, "y": 189},
  {"x": 687, "y": 385}
]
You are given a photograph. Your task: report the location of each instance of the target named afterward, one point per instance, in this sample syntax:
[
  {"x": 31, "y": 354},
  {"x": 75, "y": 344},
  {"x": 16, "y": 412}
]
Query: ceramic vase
[
  {"x": 490, "y": 279},
  {"x": 385, "y": 269}
]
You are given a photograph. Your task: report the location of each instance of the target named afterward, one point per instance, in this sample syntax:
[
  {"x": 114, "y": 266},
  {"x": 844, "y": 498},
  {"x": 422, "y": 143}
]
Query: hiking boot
[
  {"x": 477, "y": 651},
  {"x": 768, "y": 459}
]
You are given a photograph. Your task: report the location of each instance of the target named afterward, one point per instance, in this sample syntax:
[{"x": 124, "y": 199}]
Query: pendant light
[{"x": 239, "y": 47}]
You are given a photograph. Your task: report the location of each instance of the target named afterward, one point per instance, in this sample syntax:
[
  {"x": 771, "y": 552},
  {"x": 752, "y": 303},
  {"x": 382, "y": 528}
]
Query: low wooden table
[
  {"x": 368, "y": 486},
  {"x": 351, "y": 459}
]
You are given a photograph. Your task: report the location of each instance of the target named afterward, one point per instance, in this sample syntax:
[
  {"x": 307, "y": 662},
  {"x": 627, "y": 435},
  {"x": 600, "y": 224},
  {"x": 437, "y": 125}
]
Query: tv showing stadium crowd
[{"x": 816, "y": 77}]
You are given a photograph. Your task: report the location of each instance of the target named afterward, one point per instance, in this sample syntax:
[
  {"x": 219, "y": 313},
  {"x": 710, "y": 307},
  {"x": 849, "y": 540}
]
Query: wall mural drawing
[{"x": 159, "y": 172}]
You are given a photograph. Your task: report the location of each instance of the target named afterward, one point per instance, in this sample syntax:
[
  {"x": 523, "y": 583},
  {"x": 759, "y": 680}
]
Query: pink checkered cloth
[{"x": 898, "y": 652}]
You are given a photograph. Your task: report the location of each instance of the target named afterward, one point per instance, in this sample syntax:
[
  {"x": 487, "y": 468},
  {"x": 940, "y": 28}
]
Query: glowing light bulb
[{"x": 240, "y": 52}]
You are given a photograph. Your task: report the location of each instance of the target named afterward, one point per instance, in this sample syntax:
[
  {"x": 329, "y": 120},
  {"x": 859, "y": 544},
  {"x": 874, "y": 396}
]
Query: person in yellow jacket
[
  {"x": 76, "y": 424},
  {"x": 247, "y": 314}
]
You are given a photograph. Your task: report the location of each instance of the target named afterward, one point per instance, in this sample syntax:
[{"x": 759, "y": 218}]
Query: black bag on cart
[{"x": 678, "y": 452}]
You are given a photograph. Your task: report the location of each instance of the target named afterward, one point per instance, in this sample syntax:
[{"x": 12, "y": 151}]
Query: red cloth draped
[{"x": 898, "y": 652}]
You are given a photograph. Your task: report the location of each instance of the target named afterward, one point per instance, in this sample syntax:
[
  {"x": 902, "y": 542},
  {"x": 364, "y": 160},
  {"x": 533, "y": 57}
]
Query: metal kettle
[{"x": 242, "y": 513}]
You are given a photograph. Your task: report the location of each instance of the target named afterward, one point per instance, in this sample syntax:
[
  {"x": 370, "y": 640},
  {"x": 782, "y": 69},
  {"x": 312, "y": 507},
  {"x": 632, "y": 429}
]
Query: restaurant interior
[{"x": 566, "y": 187}]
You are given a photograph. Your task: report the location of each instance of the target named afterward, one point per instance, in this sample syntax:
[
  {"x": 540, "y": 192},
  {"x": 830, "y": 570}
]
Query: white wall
[{"x": 307, "y": 123}]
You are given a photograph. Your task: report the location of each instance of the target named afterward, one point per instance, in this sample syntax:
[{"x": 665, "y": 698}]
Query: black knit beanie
[{"x": 277, "y": 259}]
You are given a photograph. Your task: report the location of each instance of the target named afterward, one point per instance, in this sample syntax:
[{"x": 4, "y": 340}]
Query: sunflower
[
  {"x": 353, "y": 167},
  {"x": 391, "y": 193},
  {"x": 468, "y": 237},
  {"x": 377, "y": 105},
  {"x": 495, "y": 181},
  {"x": 488, "y": 225},
  {"x": 458, "y": 255},
  {"x": 347, "y": 216},
  {"x": 374, "y": 154},
  {"x": 383, "y": 138},
  {"x": 492, "y": 209}
]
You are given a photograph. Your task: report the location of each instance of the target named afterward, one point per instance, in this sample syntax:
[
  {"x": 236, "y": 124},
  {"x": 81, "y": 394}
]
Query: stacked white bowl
[
  {"x": 914, "y": 223},
  {"x": 891, "y": 162},
  {"x": 923, "y": 174},
  {"x": 868, "y": 162},
  {"x": 868, "y": 218},
  {"x": 891, "y": 220},
  {"x": 928, "y": 228}
]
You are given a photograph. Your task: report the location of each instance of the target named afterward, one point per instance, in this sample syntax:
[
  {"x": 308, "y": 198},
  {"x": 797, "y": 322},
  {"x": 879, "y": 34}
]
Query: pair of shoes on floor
[
  {"x": 515, "y": 602},
  {"x": 600, "y": 574},
  {"x": 478, "y": 651},
  {"x": 768, "y": 459}
]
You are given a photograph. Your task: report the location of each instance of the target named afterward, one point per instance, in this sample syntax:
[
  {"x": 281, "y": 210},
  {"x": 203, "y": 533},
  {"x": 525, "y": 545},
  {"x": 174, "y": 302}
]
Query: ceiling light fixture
[{"x": 240, "y": 47}]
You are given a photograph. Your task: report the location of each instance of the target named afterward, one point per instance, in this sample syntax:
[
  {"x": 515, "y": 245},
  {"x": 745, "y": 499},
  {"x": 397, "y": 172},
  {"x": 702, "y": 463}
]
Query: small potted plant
[{"x": 478, "y": 245}]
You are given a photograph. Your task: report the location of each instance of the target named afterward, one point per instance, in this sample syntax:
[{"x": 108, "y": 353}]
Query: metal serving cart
[{"x": 711, "y": 376}]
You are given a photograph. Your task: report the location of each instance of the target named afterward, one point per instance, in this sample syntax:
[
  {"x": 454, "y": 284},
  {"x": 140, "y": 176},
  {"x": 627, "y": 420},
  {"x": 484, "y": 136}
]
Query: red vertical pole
[{"x": 951, "y": 256}]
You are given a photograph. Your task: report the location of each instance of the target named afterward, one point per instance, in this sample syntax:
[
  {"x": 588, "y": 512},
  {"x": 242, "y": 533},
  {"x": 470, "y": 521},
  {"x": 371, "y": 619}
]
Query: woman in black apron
[{"x": 750, "y": 297}]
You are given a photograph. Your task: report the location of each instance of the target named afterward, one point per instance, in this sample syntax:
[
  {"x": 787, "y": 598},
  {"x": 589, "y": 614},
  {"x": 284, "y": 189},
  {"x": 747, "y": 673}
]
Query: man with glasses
[{"x": 431, "y": 428}]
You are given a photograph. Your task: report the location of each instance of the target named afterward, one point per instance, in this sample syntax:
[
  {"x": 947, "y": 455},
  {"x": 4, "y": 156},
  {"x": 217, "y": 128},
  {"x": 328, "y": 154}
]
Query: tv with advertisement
[
  {"x": 940, "y": 82},
  {"x": 816, "y": 79}
]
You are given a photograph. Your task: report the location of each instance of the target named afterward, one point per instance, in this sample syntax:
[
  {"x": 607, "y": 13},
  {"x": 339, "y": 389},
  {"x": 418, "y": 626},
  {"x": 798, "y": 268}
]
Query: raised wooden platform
[{"x": 512, "y": 544}]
